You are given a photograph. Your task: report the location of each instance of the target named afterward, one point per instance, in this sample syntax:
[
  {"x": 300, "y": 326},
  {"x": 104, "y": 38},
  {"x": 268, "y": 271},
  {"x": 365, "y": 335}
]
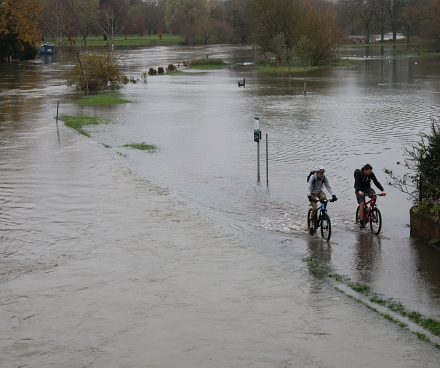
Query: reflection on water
[
  {"x": 202, "y": 124},
  {"x": 367, "y": 260}
]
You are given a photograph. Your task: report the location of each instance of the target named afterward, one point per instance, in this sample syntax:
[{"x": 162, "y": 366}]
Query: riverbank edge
[{"x": 423, "y": 224}]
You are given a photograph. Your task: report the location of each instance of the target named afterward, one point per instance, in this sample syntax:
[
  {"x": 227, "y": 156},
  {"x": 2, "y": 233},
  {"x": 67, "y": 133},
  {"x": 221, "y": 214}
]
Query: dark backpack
[
  {"x": 357, "y": 171},
  {"x": 310, "y": 174}
]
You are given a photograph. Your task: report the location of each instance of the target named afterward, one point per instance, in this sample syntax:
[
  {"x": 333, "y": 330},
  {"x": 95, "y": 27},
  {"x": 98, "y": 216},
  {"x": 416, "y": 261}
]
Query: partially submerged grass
[
  {"x": 77, "y": 122},
  {"x": 429, "y": 324},
  {"x": 141, "y": 146},
  {"x": 102, "y": 99},
  {"x": 207, "y": 63}
]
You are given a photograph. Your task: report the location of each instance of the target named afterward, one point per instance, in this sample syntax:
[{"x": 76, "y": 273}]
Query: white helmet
[{"x": 319, "y": 169}]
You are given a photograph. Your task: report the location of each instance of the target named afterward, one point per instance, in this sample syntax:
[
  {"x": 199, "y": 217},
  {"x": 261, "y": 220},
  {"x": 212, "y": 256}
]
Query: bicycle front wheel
[
  {"x": 375, "y": 221},
  {"x": 357, "y": 215},
  {"x": 310, "y": 222},
  {"x": 326, "y": 228}
]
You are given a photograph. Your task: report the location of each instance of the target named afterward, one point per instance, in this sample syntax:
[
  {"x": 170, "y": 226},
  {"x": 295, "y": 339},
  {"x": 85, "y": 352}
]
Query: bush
[
  {"x": 102, "y": 69},
  {"x": 423, "y": 183}
]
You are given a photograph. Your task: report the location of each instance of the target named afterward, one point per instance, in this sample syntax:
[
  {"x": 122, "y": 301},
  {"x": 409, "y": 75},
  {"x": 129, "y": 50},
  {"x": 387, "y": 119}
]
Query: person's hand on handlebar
[{"x": 384, "y": 193}]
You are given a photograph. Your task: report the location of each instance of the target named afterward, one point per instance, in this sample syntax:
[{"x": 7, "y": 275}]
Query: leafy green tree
[
  {"x": 277, "y": 45},
  {"x": 19, "y": 29}
]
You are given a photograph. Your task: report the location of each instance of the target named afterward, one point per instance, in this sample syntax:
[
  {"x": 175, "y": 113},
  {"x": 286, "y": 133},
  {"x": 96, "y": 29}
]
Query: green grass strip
[
  {"x": 77, "y": 122},
  {"x": 207, "y": 63},
  {"x": 141, "y": 146},
  {"x": 102, "y": 99}
]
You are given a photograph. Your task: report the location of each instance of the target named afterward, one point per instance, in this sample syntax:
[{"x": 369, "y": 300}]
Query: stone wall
[{"x": 423, "y": 224}]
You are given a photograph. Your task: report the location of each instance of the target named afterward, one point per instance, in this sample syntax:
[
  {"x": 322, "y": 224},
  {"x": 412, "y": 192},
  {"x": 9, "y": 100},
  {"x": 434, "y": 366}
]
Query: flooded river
[{"x": 116, "y": 257}]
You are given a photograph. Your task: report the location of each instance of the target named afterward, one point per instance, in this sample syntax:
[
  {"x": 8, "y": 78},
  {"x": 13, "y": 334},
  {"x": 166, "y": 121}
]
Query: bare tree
[
  {"x": 235, "y": 10},
  {"x": 152, "y": 14},
  {"x": 87, "y": 15},
  {"x": 268, "y": 18},
  {"x": 113, "y": 13},
  {"x": 396, "y": 16},
  {"x": 53, "y": 17}
]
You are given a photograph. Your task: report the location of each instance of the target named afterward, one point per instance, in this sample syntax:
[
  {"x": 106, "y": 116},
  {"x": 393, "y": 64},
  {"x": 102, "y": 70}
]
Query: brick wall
[{"x": 424, "y": 225}]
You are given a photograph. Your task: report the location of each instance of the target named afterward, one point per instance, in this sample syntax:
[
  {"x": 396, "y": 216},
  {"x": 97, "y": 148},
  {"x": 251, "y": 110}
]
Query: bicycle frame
[
  {"x": 371, "y": 204},
  {"x": 322, "y": 209}
]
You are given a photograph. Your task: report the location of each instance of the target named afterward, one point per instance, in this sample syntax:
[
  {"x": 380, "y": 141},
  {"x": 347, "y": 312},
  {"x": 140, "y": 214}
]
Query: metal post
[
  {"x": 58, "y": 130},
  {"x": 258, "y": 160},
  {"x": 267, "y": 161}
]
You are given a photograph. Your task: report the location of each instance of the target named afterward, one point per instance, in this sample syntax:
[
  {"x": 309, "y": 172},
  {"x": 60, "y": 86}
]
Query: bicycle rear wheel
[
  {"x": 310, "y": 224},
  {"x": 326, "y": 227},
  {"x": 375, "y": 221}
]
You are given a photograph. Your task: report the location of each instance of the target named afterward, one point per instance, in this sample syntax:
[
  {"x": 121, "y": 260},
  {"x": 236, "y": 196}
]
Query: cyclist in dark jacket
[{"x": 362, "y": 186}]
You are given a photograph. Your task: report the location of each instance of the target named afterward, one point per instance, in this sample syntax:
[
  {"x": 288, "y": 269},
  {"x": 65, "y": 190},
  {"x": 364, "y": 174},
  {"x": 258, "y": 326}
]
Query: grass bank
[
  {"x": 102, "y": 99},
  {"x": 141, "y": 146},
  {"x": 207, "y": 63},
  {"x": 78, "y": 122},
  {"x": 130, "y": 41},
  {"x": 270, "y": 66}
]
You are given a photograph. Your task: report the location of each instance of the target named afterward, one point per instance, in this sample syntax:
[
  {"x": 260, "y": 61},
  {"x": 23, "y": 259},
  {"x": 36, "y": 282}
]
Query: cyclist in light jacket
[{"x": 314, "y": 190}]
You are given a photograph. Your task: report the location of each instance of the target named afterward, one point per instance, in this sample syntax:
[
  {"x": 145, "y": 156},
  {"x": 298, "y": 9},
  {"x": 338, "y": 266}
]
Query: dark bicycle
[
  {"x": 323, "y": 220},
  {"x": 371, "y": 214}
]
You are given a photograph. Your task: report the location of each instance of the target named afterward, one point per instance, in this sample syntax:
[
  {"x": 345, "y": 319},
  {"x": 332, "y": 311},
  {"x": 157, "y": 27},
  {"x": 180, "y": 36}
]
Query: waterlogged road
[{"x": 107, "y": 261}]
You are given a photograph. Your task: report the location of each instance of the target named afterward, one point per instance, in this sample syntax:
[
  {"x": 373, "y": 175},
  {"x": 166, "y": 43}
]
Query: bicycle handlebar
[
  {"x": 323, "y": 200},
  {"x": 372, "y": 195}
]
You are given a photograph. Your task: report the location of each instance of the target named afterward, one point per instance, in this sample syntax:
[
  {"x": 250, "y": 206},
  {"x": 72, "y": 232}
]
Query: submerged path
[{"x": 103, "y": 269}]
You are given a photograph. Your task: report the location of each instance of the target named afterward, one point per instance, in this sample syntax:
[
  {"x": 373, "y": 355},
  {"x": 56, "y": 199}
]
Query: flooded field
[{"x": 112, "y": 256}]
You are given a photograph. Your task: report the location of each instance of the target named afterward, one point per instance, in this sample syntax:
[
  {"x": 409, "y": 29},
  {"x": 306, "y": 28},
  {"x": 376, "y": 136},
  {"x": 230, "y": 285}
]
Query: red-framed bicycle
[{"x": 371, "y": 214}]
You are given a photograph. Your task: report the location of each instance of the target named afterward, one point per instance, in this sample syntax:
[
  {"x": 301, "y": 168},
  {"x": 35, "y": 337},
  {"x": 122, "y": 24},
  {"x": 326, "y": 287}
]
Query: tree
[
  {"x": 234, "y": 13},
  {"x": 19, "y": 28},
  {"x": 277, "y": 45},
  {"x": 113, "y": 13},
  {"x": 430, "y": 21},
  {"x": 268, "y": 18},
  {"x": 87, "y": 16},
  {"x": 319, "y": 25},
  {"x": 396, "y": 16},
  {"x": 52, "y": 19},
  {"x": 380, "y": 16},
  {"x": 152, "y": 14},
  {"x": 366, "y": 13},
  {"x": 184, "y": 16}
]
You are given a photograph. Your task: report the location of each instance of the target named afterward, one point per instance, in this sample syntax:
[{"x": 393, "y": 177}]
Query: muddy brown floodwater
[{"x": 112, "y": 257}]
